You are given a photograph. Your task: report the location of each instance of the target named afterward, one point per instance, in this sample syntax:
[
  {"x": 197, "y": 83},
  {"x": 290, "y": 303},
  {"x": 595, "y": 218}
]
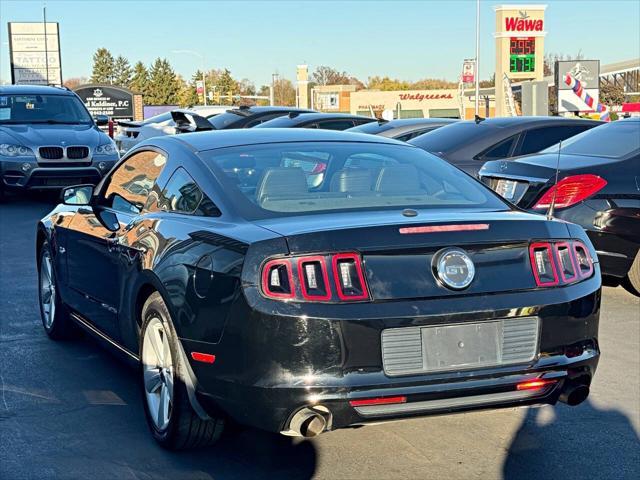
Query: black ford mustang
[{"x": 302, "y": 281}]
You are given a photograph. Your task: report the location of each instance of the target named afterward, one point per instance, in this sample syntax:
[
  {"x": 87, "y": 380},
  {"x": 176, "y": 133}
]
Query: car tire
[
  {"x": 172, "y": 421},
  {"x": 54, "y": 313},
  {"x": 632, "y": 282}
]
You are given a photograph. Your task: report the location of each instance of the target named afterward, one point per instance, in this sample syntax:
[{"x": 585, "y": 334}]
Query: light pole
[
  {"x": 201, "y": 57},
  {"x": 478, "y": 58}
]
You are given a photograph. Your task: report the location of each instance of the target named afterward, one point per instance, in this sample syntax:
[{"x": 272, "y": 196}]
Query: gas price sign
[{"x": 522, "y": 54}]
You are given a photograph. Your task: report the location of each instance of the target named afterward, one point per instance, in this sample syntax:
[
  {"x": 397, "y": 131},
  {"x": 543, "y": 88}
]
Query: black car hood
[{"x": 35, "y": 135}]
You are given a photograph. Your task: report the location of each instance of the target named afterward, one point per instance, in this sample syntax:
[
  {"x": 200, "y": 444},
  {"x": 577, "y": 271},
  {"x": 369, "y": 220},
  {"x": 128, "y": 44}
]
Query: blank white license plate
[{"x": 506, "y": 189}]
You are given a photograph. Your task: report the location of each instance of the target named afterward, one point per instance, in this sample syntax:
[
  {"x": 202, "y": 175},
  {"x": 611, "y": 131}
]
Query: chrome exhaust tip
[
  {"x": 574, "y": 394},
  {"x": 309, "y": 422}
]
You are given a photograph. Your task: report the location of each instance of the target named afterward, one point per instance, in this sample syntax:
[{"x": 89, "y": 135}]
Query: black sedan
[
  {"x": 469, "y": 144},
  {"x": 598, "y": 188},
  {"x": 325, "y": 121},
  {"x": 403, "y": 129},
  {"x": 395, "y": 287}
]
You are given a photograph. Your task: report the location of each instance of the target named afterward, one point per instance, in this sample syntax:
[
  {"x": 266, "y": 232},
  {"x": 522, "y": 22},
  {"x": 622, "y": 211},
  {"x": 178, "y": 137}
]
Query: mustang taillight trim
[
  {"x": 267, "y": 285},
  {"x": 337, "y": 262},
  {"x": 587, "y": 256},
  {"x": 312, "y": 281},
  {"x": 308, "y": 277},
  {"x": 444, "y": 228},
  {"x": 580, "y": 262}
]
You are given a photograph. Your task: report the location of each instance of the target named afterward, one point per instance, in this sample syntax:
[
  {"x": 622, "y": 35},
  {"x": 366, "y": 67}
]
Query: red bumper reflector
[
  {"x": 377, "y": 401},
  {"x": 534, "y": 384},
  {"x": 203, "y": 357},
  {"x": 444, "y": 228}
]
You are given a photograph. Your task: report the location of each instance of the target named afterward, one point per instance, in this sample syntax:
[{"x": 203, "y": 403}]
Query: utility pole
[
  {"x": 477, "y": 109},
  {"x": 46, "y": 47},
  {"x": 274, "y": 82}
]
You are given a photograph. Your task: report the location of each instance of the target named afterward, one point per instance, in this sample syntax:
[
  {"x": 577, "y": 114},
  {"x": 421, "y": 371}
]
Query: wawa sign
[{"x": 522, "y": 23}]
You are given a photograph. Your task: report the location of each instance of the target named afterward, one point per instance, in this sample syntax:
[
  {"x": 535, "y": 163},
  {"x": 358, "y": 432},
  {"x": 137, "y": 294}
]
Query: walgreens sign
[{"x": 523, "y": 24}]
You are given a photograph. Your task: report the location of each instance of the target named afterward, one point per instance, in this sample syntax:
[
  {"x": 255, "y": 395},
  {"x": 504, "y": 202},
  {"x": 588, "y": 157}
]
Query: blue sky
[{"x": 404, "y": 39}]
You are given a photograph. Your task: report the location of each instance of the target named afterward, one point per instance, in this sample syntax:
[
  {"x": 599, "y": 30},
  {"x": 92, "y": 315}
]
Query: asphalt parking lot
[{"x": 72, "y": 410}]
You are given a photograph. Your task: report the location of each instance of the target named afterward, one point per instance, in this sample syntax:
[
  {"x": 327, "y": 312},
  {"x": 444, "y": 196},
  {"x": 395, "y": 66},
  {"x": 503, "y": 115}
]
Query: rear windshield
[
  {"x": 293, "y": 178},
  {"x": 22, "y": 109},
  {"x": 372, "y": 128},
  {"x": 223, "y": 120},
  {"x": 450, "y": 137},
  {"x": 613, "y": 140}
]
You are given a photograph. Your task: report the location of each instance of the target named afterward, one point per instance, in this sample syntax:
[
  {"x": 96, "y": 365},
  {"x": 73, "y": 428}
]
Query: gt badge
[{"x": 453, "y": 268}]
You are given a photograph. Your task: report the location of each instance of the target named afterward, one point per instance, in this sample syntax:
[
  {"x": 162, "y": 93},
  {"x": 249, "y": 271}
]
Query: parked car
[
  {"x": 403, "y": 129},
  {"x": 326, "y": 121},
  {"x": 598, "y": 188},
  {"x": 49, "y": 140},
  {"x": 396, "y": 287},
  {"x": 247, "y": 117},
  {"x": 129, "y": 134},
  {"x": 468, "y": 144}
]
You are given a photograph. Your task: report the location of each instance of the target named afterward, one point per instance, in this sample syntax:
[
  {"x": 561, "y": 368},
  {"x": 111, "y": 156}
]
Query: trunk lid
[
  {"x": 524, "y": 179},
  {"x": 399, "y": 265}
]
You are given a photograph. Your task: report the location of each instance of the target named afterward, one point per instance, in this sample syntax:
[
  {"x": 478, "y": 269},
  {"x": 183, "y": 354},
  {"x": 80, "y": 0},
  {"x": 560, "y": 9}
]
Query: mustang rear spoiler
[{"x": 187, "y": 121}]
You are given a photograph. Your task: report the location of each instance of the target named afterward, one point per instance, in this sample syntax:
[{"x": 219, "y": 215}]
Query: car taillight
[
  {"x": 347, "y": 271},
  {"x": 307, "y": 278},
  {"x": 544, "y": 268},
  {"x": 313, "y": 277},
  {"x": 571, "y": 190},
  {"x": 583, "y": 260},
  {"x": 277, "y": 279},
  {"x": 570, "y": 258}
]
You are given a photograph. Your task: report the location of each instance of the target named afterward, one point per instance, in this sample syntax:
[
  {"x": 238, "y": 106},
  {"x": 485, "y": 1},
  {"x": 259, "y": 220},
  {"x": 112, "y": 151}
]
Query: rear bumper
[{"x": 269, "y": 366}]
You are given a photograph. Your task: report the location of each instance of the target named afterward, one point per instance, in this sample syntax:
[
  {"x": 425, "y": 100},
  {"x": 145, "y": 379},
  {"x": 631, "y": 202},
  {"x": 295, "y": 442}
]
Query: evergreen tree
[
  {"x": 103, "y": 66},
  {"x": 122, "y": 72},
  {"x": 140, "y": 79},
  {"x": 226, "y": 85},
  {"x": 163, "y": 84}
]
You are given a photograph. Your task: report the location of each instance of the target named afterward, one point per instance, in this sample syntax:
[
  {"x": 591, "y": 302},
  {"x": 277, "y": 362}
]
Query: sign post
[{"x": 35, "y": 53}]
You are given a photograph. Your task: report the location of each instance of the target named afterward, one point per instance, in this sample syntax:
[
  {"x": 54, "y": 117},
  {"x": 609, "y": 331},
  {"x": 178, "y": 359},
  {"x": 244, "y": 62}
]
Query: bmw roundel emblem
[{"x": 453, "y": 268}]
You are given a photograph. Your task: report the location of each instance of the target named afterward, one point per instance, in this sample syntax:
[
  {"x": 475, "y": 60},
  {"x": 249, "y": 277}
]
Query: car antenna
[
  {"x": 555, "y": 184},
  {"x": 479, "y": 119}
]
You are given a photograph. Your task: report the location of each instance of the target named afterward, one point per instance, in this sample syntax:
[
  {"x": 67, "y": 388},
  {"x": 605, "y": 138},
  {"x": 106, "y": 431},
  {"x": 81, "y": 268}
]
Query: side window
[
  {"x": 335, "y": 124},
  {"x": 541, "y": 138},
  {"x": 130, "y": 186},
  {"x": 500, "y": 150},
  {"x": 183, "y": 195}
]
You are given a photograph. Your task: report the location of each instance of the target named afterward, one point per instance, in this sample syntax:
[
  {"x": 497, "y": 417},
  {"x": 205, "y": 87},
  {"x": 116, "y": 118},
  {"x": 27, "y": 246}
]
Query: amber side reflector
[
  {"x": 377, "y": 401},
  {"x": 534, "y": 384},
  {"x": 203, "y": 357},
  {"x": 444, "y": 228}
]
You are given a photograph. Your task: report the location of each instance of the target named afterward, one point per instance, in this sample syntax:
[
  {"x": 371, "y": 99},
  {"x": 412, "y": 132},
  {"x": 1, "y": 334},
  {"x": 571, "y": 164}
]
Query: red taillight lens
[
  {"x": 571, "y": 190},
  {"x": 347, "y": 273},
  {"x": 543, "y": 264},
  {"x": 277, "y": 280}
]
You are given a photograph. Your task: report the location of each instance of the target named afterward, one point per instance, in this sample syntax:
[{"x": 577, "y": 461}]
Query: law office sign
[{"x": 34, "y": 50}]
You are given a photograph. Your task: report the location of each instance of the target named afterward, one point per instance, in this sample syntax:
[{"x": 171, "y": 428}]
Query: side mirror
[
  {"x": 101, "y": 120},
  {"x": 77, "y": 195}
]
